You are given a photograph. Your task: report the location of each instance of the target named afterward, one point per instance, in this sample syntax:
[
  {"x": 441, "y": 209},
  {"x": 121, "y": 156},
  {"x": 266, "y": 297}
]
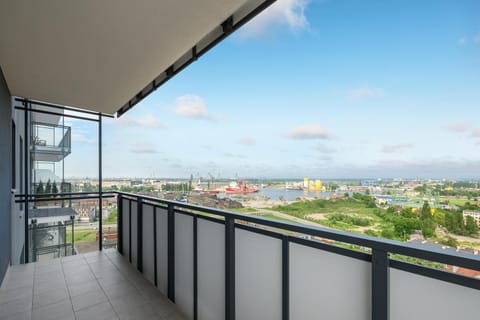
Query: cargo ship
[{"x": 240, "y": 187}]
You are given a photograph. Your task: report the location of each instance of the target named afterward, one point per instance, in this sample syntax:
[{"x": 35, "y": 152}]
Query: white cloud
[
  {"x": 248, "y": 141},
  {"x": 391, "y": 148},
  {"x": 476, "y": 133},
  {"x": 283, "y": 13},
  {"x": 192, "y": 106},
  {"x": 457, "y": 127},
  {"x": 143, "y": 148},
  {"x": 149, "y": 121},
  {"x": 325, "y": 149},
  {"x": 310, "y": 131},
  {"x": 462, "y": 40},
  {"x": 366, "y": 92},
  {"x": 79, "y": 137}
]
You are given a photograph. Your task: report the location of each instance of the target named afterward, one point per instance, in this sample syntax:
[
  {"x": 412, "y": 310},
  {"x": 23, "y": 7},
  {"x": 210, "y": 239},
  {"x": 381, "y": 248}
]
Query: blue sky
[{"x": 321, "y": 89}]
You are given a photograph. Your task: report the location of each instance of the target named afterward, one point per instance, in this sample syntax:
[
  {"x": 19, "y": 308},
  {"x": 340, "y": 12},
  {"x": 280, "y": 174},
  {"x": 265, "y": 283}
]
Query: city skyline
[{"x": 312, "y": 88}]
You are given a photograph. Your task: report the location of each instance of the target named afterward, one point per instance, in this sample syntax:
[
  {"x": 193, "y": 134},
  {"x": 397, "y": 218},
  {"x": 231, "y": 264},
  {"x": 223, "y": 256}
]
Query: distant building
[{"x": 474, "y": 214}]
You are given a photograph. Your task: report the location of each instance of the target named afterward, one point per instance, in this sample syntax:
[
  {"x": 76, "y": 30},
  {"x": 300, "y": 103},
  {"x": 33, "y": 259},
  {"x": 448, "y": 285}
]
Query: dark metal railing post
[
  {"x": 34, "y": 243},
  {"x": 229, "y": 268},
  {"x": 100, "y": 194},
  {"x": 120, "y": 224},
  {"x": 195, "y": 267},
  {"x": 171, "y": 253},
  {"x": 155, "y": 258},
  {"x": 285, "y": 278},
  {"x": 140, "y": 234},
  {"x": 380, "y": 285},
  {"x": 73, "y": 234},
  {"x": 26, "y": 160}
]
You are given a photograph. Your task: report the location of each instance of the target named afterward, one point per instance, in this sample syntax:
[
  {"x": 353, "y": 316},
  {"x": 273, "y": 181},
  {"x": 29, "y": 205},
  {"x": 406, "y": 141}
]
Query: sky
[{"x": 320, "y": 89}]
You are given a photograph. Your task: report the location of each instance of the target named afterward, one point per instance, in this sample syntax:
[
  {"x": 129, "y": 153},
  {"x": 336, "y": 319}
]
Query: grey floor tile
[
  {"x": 143, "y": 311},
  {"x": 126, "y": 302},
  {"x": 101, "y": 311},
  {"x": 82, "y": 288},
  {"x": 15, "y": 306},
  {"x": 25, "y": 315},
  {"x": 119, "y": 290},
  {"x": 88, "y": 299},
  {"x": 48, "y": 297},
  {"x": 57, "y": 311},
  {"x": 15, "y": 293}
]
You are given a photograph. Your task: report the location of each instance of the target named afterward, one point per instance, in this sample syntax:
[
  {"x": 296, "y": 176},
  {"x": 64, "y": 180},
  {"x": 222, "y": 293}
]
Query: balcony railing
[
  {"x": 50, "y": 142},
  {"x": 216, "y": 264}
]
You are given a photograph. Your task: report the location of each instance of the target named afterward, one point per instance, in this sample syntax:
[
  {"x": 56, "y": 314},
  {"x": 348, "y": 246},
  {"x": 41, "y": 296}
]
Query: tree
[
  {"x": 40, "y": 189},
  {"x": 471, "y": 226},
  {"x": 48, "y": 187},
  {"x": 426, "y": 211},
  {"x": 54, "y": 187}
]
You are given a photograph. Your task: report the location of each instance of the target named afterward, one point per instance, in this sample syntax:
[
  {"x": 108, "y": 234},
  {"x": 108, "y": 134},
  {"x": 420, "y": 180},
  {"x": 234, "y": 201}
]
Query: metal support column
[
  {"x": 229, "y": 268},
  {"x": 171, "y": 253},
  {"x": 100, "y": 195},
  {"x": 26, "y": 159},
  {"x": 379, "y": 285},
  {"x": 120, "y": 224}
]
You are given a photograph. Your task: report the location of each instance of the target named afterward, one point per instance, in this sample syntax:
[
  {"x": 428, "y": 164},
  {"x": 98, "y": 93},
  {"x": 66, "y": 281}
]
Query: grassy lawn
[
  {"x": 243, "y": 210},
  {"x": 271, "y": 216},
  {"x": 83, "y": 235},
  {"x": 112, "y": 218}
]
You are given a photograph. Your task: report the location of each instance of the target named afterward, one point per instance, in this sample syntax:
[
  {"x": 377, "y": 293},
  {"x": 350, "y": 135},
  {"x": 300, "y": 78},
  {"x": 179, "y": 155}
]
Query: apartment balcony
[
  {"x": 179, "y": 261},
  {"x": 99, "y": 285},
  {"x": 50, "y": 142}
]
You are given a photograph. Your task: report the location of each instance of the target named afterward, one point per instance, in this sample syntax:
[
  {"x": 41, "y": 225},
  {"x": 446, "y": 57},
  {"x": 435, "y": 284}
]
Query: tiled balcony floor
[{"x": 97, "y": 285}]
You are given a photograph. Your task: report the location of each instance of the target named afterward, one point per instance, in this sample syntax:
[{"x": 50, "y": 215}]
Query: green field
[
  {"x": 82, "y": 235},
  {"x": 112, "y": 218}
]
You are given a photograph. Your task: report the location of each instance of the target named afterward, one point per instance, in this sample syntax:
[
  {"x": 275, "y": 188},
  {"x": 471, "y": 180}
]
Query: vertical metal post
[
  {"x": 195, "y": 267},
  {"x": 26, "y": 174},
  {"x": 73, "y": 235},
  {"x": 100, "y": 195},
  {"x": 285, "y": 279},
  {"x": 34, "y": 244},
  {"x": 120, "y": 224},
  {"x": 140, "y": 234},
  {"x": 171, "y": 253},
  {"x": 379, "y": 285},
  {"x": 229, "y": 268},
  {"x": 155, "y": 263}
]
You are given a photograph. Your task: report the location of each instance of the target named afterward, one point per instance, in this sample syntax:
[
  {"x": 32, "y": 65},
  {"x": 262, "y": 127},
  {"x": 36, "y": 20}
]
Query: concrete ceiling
[{"x": 106, "y": 55}]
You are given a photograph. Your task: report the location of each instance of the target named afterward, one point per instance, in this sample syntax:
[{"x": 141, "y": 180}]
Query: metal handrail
[{"x": 391, "y": 246}]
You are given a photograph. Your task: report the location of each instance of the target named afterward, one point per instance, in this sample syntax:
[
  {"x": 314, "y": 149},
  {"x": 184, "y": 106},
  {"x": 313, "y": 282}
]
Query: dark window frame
[{"x": 14, "y": 153}]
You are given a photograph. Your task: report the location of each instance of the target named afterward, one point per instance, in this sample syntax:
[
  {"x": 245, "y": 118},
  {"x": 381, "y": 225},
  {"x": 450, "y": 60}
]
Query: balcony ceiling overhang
[{"x": 107, "y": 55}]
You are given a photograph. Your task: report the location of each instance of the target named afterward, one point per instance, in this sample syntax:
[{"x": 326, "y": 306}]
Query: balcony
[
  {"x": 215, "y": 264},
  {"x": 50, "y": 142},
  {"x": 99, "y": 285},
  {"x": 180, "y": 260}
]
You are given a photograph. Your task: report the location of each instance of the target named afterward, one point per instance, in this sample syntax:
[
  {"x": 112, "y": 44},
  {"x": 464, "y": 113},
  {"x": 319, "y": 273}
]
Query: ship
[{"x": 241, "y": 187}]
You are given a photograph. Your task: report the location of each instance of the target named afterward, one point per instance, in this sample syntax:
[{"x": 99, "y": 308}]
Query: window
[{"x": 14, "y": 151}]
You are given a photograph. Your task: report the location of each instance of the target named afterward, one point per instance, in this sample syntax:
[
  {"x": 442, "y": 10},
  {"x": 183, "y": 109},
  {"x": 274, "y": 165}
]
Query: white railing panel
[
  {"x": 258, "y": 276},
  {"x": 184, "y": 263},
  {"x": 326, "y": 285},
  {"x": 148, "y": 248},
  {"x": 134, "y": 240},
  {"x": 125, "y": 227},
  {"x": 211, "y": 270},
  {"x": 162, "y": 250},
  {"x": 416, "y": 297}
]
